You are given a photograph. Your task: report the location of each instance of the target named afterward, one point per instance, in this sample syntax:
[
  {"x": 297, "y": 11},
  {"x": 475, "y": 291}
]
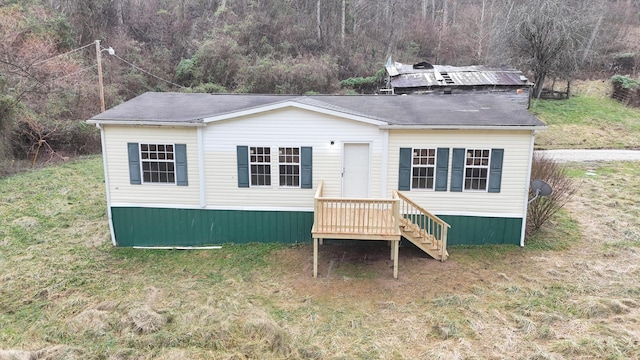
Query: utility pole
[{"x": 100, "y": 84}]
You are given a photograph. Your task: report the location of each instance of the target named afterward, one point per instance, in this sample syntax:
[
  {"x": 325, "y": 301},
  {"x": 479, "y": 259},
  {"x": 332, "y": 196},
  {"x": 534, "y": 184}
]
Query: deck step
[
  {"x": 430, "y": 247},
  {"x": 421, "y": 238}
]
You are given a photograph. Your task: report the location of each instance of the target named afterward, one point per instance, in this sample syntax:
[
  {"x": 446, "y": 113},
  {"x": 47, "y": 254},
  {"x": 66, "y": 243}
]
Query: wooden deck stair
[
  {"x": 423, "y": 229},
  {"x": 423, "y": 240}
]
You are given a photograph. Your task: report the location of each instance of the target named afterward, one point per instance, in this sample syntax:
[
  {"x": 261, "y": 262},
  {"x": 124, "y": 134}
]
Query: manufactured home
[{"x": 184, "y": 169}]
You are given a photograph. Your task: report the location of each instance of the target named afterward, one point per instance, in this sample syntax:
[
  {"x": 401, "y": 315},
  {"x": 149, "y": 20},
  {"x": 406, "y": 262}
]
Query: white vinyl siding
[
  {"x": 287, "y": 127},
  {"x": 509, "y": 201},
  {"x": 120, "y": 189}
]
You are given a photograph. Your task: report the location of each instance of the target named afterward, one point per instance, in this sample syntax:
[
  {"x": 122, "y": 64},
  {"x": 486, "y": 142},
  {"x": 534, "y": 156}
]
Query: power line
[
  {"x": 146, "y": 72},
  {"x": 110, "y": 53},
  {"x": 67, "y": 53},
  {"x": 74, "y": 73}
]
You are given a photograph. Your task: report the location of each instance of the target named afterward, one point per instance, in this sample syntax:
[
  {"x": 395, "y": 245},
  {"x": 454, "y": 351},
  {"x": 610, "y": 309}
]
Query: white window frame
[
  {"x": 474, "y": 161},
  {"x": 430, "y": 163},
  {"x": 289, "y": 160},
  {"x": 267, "y": 164},
  {"x": 149, "y": 154}
]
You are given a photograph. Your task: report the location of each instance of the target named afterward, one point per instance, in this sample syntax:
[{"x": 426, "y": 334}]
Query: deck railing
[
  {"x": 353, "y": 216},
  {"x": 430, "y": 223}
]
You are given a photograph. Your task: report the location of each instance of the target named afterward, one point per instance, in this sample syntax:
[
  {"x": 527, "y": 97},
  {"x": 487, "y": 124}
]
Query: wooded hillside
[{"x": 48, "y": 72}]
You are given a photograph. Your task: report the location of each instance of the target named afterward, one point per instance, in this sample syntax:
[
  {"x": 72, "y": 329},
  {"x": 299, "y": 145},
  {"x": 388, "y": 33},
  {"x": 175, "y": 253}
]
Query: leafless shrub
[
  {"x": 35, "y": 139},
  {"x": 544, "y": 207}
]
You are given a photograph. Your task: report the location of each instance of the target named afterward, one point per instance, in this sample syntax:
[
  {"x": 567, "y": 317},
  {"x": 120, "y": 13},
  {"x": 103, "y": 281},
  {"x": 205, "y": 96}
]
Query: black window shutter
[
  {"x": 457, "y": 169},
  {"x": 306, "y": 160},
  {"x": 404, "y": 177},
  {"x": 181, "y": 165},
  {"x": 495, "y": 170},
  {"x": 243, "y": 166},
  {"x": 442, "y": 169},
  {"x": 134, "y": 164}
]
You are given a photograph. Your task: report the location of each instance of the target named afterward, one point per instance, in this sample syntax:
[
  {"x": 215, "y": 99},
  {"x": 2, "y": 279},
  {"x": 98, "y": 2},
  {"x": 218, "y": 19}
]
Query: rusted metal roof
[{"x": 410, "y": 76}]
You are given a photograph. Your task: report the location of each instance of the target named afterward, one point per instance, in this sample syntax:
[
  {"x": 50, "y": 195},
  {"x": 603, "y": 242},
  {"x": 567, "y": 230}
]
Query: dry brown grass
[
  {"x": 58, "y": 352},
  {"x": 593, "y": 88}
]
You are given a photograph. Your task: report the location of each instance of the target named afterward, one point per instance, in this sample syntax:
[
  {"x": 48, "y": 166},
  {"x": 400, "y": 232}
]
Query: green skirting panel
[
  {"x": 475, "y": 230},
  {"x": 137, "y": 226}
]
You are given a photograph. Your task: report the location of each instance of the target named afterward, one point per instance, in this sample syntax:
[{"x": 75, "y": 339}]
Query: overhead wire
[
  {"x": 67, "y": 53},
  {"x": 92, "y": 66},
  {"x": 75, "y": 72},
  {"x": 145, "y": 71}
]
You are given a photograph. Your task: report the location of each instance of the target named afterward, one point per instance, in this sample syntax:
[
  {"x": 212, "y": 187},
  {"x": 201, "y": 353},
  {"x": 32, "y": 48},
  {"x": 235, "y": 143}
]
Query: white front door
[{"x": 355, "y": 171}]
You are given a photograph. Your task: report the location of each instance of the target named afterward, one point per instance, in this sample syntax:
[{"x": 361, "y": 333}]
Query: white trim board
[
  {"x": 105, "y": 166},
  {"x": 294, "y": 104},
  {"x": 298, "y": 209},
  {"x": 478, "y": 214},
  {"x": 146, "y": 123},
  {"x": 210, "y": 207}
]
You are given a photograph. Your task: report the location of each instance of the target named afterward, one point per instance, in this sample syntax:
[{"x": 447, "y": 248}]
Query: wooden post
[
  {"x": 315, "y": 257},
  {"x": 392, "y": 248},
  {"x": 396, "y": 245},
  {"x": 395, "y": 208},
  {"x": 443, "y": 243}
]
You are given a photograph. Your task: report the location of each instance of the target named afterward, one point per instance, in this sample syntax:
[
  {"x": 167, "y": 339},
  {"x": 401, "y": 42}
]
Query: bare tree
[
  {"x": 343, "y": 22},
  {"x": 550, "y": 36},
  {"x": 318, "y": 21}
]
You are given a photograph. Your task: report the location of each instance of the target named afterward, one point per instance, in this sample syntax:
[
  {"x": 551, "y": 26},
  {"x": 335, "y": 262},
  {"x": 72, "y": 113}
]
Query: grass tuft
[
  {"x": 144, "y": 320},
  {"x": 266, "y": 334}
]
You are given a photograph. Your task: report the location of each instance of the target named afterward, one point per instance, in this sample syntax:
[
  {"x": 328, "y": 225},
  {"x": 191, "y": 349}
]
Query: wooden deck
[
  {"x": 355, "y": 219},
  {"x": 377, "y": 219}
]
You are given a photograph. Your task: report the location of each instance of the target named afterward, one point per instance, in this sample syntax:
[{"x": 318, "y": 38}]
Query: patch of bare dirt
[{"x": 363, "y": 269}]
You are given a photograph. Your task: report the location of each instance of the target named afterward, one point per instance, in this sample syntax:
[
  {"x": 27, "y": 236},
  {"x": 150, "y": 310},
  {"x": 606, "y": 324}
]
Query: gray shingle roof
[
  {"x": 459, "y": 110},
  {"x": 406, "y": 76}
]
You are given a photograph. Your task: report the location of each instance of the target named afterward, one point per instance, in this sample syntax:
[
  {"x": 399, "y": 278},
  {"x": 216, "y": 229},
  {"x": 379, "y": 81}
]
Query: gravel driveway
[{"x": 591, "y": 155}]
